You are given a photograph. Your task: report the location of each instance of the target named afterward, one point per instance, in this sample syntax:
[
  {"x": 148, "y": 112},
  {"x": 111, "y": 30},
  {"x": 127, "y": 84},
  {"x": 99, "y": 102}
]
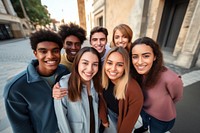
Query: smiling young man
[
  {"x": 98, "y": 40},
  {"x": 28, "y": 96},
  {"x": 73, "y": 37}
]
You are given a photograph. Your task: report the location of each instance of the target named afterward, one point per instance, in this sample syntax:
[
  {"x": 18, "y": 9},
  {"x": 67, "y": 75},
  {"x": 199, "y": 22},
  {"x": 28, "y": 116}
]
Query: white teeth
[
  {"x": 113, "y": 73},
  {"x": 73, "y": 53},
  {"x": 140, "y": 67},
  {"x": 88, "y": 74},
  {"x": 51, "y": 62}
]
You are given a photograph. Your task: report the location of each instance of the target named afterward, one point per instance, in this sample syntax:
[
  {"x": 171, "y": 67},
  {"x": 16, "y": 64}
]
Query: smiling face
[
  {"x": 114, "y": 66},
  {"x": 71, "y": 45},
  {"x": 88, "y": 66},
  {"x": 120, "y": 39},
  {"x": 98, "y": 41},
  {"x": 48, "y": 55},
  {"x": 142, "y": 58}
]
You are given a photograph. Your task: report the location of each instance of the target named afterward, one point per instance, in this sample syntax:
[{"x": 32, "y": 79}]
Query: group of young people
[{"x": 95, "y": 89}]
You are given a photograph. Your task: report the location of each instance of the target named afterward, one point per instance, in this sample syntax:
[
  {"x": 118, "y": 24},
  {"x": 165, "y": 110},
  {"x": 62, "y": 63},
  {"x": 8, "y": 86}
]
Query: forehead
[
  {"x": 47, "y": 45},
  {"x": 72, "y": 38},
  {"x": 116, "y": 56},
  {"x": 98, "y": 35},
  {"x": 89, "y": 56},
  {"x": 142, "y": 48}
]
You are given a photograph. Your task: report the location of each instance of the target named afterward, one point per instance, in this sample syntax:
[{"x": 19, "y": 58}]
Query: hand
[
  {"x": 58, "y": 92},
  {"x": 105, "y": 124}
]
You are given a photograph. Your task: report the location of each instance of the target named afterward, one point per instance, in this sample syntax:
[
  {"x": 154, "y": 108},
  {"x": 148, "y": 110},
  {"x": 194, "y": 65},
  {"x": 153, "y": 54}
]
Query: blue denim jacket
[{"x": 74, "y": 117}]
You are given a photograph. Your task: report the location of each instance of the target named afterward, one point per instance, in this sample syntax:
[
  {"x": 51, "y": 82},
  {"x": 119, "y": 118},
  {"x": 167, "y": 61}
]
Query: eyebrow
[
  {"x": 46, "y": 49},
  {"x": 88, "y": 61},
  {"x": 117, "y": 62},
  {"x": 143, "y": 53}
]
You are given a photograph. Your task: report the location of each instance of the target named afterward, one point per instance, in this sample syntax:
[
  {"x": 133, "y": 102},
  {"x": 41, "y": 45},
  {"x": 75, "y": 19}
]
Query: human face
[
  {"x": 98, "y": 41},
  {"x": 142, "y": 58},
  {"x": 71, "y": 45},
  {"x": 88, "y": 66},
  {"x": 48, "y": 55},
  {"x": 120, "y": 39},
  {"x": 114, "y": 67}
]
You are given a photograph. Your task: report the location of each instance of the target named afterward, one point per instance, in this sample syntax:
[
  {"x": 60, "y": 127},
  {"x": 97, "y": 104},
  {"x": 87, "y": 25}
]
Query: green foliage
[{"x": 36, "y": 12}]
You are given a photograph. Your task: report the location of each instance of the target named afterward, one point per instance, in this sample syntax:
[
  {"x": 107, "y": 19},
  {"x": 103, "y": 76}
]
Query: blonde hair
[{"x": 120, "y": 86}]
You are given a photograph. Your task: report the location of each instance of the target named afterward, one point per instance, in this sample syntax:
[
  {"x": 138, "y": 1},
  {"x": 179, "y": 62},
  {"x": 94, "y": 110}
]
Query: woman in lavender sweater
[{"x": 162, "y": 88}]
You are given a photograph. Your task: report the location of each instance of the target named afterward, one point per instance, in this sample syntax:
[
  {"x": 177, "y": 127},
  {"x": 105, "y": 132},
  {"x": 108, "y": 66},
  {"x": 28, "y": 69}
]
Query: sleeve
[
  {"x": 135, "y": 102},
  {"x": 16, "y": 109},
  {"x": 61, "y": 115},
  {"x": 102, "y": 109},
  {"x": 175, "y": 89}
]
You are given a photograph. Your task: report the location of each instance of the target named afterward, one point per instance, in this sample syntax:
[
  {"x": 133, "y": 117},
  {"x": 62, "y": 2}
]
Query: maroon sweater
[{"x": 129, "y": 108}]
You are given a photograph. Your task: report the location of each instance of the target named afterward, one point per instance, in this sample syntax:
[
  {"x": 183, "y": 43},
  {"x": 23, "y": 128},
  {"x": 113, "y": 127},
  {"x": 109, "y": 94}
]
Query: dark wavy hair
[
  {"x": 72, "y": 29},
  {"x": 43, "y": 36},
  {"x": 75, "y": 83},
  {"x": 157, "y": 66},
  {"x": 99, "y": 29}
]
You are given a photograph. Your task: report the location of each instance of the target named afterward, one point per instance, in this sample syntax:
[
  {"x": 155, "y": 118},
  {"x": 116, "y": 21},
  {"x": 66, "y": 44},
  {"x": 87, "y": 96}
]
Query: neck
[{"x": 102, "y": 53}]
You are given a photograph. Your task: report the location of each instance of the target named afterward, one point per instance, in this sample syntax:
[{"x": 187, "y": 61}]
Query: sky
[{"x": 62, "y": 9}]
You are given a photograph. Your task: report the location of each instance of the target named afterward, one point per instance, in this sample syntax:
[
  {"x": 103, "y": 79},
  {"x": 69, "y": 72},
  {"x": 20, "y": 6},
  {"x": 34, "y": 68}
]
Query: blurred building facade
[
  {"x": 11, "y": 26},
  {"x": 174, "y": 24}
]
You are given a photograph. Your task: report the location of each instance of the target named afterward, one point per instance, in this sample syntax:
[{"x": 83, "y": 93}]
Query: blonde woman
[{"x": 122, "y": 94}]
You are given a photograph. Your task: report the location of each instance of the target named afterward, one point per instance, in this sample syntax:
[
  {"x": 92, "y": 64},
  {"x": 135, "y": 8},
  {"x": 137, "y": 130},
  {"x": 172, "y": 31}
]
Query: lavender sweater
[{"x": 160, "y": 99}]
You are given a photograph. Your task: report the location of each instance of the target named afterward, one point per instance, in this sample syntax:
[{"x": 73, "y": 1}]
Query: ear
[
  {"x": 154, "y": 58},
  {"x": 35, "y": 53}
]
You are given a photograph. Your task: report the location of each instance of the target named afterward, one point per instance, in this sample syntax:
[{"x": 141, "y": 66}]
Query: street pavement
[{"x": 16, "y": 54}]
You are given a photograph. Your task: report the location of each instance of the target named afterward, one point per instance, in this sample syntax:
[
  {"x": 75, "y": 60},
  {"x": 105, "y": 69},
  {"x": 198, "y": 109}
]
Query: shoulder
[
  {"x": 64, "y": 80},
  {"x": 15, "y": 83},
  {"x": 169, "y": 76},
  {"x": 133, "y": 86},
  {"x": 134, "y": 91},
  {"x": 63, "y": 69}
]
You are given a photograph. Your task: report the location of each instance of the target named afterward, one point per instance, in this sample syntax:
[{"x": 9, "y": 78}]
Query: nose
[
  {"x": 120, "y": 39},
  {"x": 99, "y": 42},
  {"x": 50, "y": 54},
  {"x": 140, "y": 60},
  {"x": 73, "y": 46},
  {"x": 90, "y": 68},
  {"x": 113, "y": 67}
]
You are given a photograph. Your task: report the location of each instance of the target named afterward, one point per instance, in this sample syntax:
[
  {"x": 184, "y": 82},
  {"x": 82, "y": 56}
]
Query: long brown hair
[
  {"x": 157, "y": 66},
  {"x": 75, "y": 83},
  {"x": 126, "y": 31}
]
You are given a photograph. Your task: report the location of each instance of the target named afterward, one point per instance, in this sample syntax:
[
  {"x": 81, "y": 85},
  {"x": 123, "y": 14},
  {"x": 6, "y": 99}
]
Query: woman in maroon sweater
[
  {"x": 162, "y": 88},
  {"x": 122, "y": 94}
]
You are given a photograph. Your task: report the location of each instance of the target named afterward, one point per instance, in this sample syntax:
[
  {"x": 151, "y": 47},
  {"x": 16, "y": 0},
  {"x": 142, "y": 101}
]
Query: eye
[
  {"x": 43, "y": 51},
  {"x": 109, "y": 63},
  {"x": 146, "y": 56},
  {"x": 78, "y": 44},
  {"x": 134, "y": 57},
  {"x": 125, "y": 36},
  {"x": 120, "y": 64},
  {"x": 94, "y": 39},
  {"x": 69, "y": 43},
  {"x": 103, "y": 39},
  {"x": 95, "y": 64},
  {"x": 85, "y": 63},
  {"x": 56, "y": 51},
  {"x": 116, "y": 37}
]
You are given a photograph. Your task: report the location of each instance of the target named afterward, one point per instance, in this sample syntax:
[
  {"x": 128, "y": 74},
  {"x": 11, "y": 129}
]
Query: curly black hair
[
  {"x": 72, "y": 29},
  {"x": 43, "y": 36}
]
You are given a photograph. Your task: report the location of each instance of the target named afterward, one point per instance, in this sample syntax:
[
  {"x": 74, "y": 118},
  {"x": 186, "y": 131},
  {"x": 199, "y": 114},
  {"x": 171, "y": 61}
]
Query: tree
[{"x": 37, "y": 13}]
